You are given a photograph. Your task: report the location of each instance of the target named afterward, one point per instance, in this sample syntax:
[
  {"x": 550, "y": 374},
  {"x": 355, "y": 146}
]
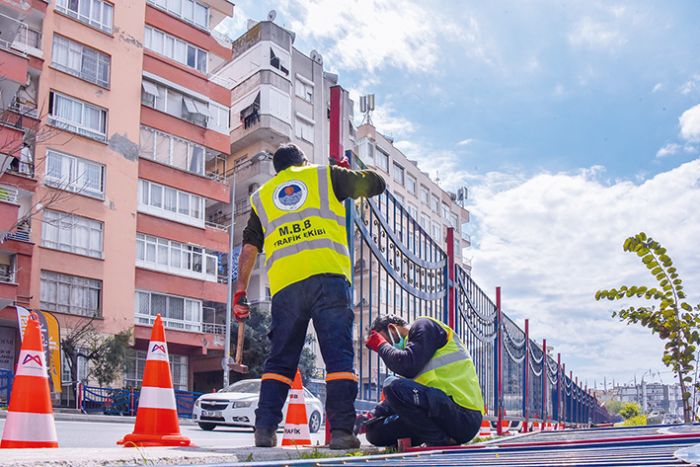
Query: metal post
[
  {"x": 577, "y": 402},
  {"x": 565, "y": 405},
  {"x": 335, "y": 124},
  {"x": 499, "y": 367},
  {"x": 451, "y": 277},
  {"x": 544, "y": 380},
  {"x": 526, "y": 378},
  {"x": 229, "y": 280},
  {"x": 559, "y": 388}
]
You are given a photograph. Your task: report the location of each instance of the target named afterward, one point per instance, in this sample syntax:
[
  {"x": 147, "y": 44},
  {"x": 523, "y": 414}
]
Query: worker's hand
[
  {"x": 241, "y": 307},
  {"x": 344, "y": 162},
  {"x": 375, "y": 341}
]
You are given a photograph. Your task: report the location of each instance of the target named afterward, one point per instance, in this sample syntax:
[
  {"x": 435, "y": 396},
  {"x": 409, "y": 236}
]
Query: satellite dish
[
  {"x": 271, "y": 15},
  {"x": 316, "y": 57}
]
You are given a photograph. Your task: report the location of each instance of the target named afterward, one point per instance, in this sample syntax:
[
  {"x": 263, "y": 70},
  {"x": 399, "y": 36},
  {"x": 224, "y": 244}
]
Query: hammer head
[{"x": 239, "y": 368}]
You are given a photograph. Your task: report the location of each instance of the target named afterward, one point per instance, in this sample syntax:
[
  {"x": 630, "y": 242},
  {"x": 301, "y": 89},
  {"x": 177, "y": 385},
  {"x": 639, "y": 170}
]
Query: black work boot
[
  {"x": 343, "y": 440},
  {"x": 265, "y": 437}
]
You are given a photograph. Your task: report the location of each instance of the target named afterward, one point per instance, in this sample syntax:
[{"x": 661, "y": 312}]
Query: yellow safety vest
[
  {"x": 451, "y": 370},
  {"x": 304, "y": 226}
]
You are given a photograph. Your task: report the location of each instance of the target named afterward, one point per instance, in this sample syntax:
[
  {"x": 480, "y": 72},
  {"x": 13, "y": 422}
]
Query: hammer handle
[{"x": 240, "y": 341}]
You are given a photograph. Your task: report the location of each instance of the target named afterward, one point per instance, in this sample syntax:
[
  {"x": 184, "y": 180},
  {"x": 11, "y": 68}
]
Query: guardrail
[
  {"x": 6, "y": 378},
  {"x": 399, "y": 268},
  {"x": 125, "y": 401}
]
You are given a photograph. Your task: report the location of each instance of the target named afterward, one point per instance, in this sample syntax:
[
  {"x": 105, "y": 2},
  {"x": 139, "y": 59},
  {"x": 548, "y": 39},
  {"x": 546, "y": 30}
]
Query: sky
[{"x": 574, "y": 125}]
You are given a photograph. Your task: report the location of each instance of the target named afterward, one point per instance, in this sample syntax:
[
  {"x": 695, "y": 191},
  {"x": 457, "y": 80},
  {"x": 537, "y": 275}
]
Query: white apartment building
[{"x": 434, "y": 208}]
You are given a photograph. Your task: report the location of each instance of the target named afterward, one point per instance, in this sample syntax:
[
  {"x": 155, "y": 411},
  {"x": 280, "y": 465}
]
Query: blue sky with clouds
[{"x": 573, "y": 123}]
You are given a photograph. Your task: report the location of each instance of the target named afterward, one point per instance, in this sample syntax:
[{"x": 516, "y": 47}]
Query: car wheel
[
  {"x": 207, "y": 426},
  {"x": 314, "y": 422}
]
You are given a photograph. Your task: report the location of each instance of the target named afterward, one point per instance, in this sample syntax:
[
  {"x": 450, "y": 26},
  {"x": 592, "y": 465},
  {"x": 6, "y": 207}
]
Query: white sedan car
[{"x": 235, "y": 406}]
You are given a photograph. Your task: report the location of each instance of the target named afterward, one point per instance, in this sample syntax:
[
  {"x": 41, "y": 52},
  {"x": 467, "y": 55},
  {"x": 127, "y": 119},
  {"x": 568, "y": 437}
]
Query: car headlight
[
  {"x": 196, "y": 403},
  {"x": 241, "y": 404}
]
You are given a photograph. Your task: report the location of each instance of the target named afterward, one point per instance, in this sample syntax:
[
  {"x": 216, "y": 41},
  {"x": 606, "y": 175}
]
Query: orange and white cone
[
  {"x": 485, "y": 430},
  {"x": 29, "y": 422},
  {"x": 505, "y": 427},
  {"x": 296, "y": 426},
  {"x": 156, "y": 417},
  {"x": 536, "y": 426},
  {"x": 548, "y": 426}
]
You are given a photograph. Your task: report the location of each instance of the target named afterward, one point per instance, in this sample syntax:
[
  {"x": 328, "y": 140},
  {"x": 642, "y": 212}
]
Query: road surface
[{"x": 106, "y": 434}]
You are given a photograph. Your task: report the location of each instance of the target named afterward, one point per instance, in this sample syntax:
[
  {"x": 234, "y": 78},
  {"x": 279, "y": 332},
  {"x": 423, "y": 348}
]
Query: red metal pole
[
  {"x": 559, "y": 373},
  {"x": 336, "y": 128},
  {"x": 451, "y": 318},
  {"x": 499, "y": 390},
  {"x": 544, "y": 381},
  {"x": 566, "y": 405},
  {"x": 526, "y": 363}
]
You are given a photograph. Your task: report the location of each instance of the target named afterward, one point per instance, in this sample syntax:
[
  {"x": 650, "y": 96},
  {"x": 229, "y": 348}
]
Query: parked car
[{"x": 235, "y": 406}]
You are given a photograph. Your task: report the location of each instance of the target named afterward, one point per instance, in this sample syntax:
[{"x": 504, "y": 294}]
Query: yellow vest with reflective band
[
  {"x": 304, "y": 226},
  {"x": 452, "y": 370}
]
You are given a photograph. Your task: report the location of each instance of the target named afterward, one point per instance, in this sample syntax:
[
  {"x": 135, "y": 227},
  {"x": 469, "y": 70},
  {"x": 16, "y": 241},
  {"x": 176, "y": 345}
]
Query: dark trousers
[
  {"x": 326, "y": 300},
  {"x": 424, "y": 414}
]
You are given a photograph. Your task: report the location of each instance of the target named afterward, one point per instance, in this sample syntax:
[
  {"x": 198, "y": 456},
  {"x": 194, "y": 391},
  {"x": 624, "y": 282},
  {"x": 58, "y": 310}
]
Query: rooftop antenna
[
  {"x": 271, "y": 15},
  {"x": 366, "y": 108}
]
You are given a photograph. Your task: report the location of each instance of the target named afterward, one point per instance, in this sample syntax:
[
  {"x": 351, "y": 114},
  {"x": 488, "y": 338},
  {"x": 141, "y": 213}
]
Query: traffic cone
[
  {"x": 29, "y": 422},
  {"x": 485, "y": 430},
  {"x": 505, "y": 427},
  {"x": 296, "y": 426},
  {"x": 548, "y": 426},
  {"x": 156, "y": 417},
  {"x": 535, "y": 426}
]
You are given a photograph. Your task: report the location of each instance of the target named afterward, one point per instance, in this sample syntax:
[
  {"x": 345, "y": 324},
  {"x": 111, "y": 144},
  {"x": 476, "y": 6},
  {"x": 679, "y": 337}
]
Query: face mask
[{"x": 401, "y": 343}]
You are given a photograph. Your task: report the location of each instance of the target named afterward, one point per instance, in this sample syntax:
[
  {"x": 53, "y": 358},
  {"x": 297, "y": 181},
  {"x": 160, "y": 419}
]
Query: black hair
[
  {"x": 381, "y": 323},
  {"x": 286, "y": 156}
]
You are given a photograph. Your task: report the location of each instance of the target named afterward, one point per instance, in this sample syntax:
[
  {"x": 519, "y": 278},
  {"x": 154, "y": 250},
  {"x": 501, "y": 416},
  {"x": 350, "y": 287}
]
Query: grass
[{"x": 316, "y": 454}]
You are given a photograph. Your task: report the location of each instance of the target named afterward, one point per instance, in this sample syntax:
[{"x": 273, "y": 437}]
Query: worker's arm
[
  {"x": 252, "y": 245},
  {"x": 356, "y": 183},
  {"x": 424, "y": 338}
]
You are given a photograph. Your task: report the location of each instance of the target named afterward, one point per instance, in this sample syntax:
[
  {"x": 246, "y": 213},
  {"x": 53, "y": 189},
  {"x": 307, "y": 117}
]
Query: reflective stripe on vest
[
  {"x": 452, "y": 371},
  {"x": 304, "y": 226}
]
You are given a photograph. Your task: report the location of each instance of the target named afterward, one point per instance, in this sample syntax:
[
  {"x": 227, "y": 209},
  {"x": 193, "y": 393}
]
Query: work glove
[
  {"x": 241, "y": 307},
  {"x": 375, "y": 341}
]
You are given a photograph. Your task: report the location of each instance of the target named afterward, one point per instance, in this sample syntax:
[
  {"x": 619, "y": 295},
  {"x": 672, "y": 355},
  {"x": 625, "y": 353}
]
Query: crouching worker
[{"x": 438, "y": 400}]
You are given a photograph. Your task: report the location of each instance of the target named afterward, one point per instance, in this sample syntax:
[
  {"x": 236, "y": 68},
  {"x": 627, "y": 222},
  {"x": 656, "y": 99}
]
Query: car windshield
[{"x": 245, "y": 386}]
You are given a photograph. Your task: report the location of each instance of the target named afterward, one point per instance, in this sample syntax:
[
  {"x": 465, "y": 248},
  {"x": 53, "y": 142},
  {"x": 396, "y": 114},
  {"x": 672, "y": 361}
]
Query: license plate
[{"x": 211, "y": 413}]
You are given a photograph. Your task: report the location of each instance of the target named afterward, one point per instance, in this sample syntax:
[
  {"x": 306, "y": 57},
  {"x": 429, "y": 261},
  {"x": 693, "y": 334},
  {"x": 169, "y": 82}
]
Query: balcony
[
  {"x": 9, "y": 194},
  {"x": 467, "y": 239}
]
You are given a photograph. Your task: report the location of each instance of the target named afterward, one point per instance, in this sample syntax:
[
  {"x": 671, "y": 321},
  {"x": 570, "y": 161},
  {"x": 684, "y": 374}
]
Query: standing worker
[
  {"x": 438, "y": 401},
  {"x": 298, "y": 220}
]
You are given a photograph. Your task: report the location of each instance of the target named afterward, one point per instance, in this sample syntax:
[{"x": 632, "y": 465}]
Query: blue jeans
[
  {"x": 424, "y": 414},
  {"x": 326, "y": 300}
]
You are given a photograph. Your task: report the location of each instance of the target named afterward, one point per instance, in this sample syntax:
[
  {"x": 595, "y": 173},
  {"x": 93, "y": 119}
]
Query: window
[
  {"x": 436, "y": 232},
  {"x": 424, "y": 221},
  {"x": 179, "y": 105},
  {"x": 219, "y": 118},
  {"x": 74, "y": 174},
  {"x": 382, "y": 160},
  {"x": 96, "y": 13},
  {"x": 81, "y": 61},
  {"x": 168, "y": 256},
  {"x": 82, "y": 370},
  {"x": 72, "y": 233},
  {"x": 70, "y": 294},
  {"x": 171, "y": 150},
  {"x": 278, "y": 63},
  {"x": 424, "y": 195},
  {"x": 435, "y": 204},
  {"x": 367, "y": 151},
  {"x": 177, "y": 312},
  {"x": 412, "y": 210},
  {"x": 445, "y": 210},
  {"x": 304, "y": 89},
  {"x": 77, "y": 116},
  {"x": 398, "y": 173},
  {"x": 175, "y": 49},
  {"x": 304, "y": 130},
  {"x": 133, "y": 374},
  {"x": 399, "y": 199},
  {"x": 169, "y": 203},
  {"x": 411, "y": 184},
  {"x": 189, "y": 10},
  {"x": 452, "y": 219},
  {"x": 278, "y": 105}
]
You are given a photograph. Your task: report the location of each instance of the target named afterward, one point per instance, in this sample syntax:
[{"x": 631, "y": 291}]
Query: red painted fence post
[
  {"x": 451, "y": 312},
  {"x": 526, "y": 364},
  {"x": 499, "y": 382},
  {"x": 544, "y": 381}
]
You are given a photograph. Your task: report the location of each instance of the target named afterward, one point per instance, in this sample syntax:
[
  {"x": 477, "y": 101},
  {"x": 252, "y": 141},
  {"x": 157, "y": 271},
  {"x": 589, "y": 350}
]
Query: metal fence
[
  {"x": 401, "y": 268},
  {"x": 112, "y": 401},
  {"x": 6, "y": 378}
]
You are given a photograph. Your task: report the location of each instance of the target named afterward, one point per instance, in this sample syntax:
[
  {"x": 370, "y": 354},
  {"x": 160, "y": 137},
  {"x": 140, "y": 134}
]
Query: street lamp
[{"x": 238, "y": 165}]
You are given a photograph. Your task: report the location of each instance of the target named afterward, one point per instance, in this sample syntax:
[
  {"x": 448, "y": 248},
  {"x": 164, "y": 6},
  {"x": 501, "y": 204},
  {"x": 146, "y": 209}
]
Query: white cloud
[
  {"x": 690, "y": 86},
  {"x": 466, "y": 142},
  {"x": 552, "y": 240},
  {"x": 669, "y": 150},
  {"x": 371, "y": 34},
  {"x": 657, "y": 87},
  {"x": 690, "y": 124},
  {"x": 591, "y": 33}
]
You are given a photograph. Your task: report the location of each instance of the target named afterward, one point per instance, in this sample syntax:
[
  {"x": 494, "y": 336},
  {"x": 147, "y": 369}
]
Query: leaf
[
  {"x": 656, "y": 270},
  {"x": 660, "y": 251},
  {"x": 642, "y": 236},
  {"x": 647, "y": 259}
]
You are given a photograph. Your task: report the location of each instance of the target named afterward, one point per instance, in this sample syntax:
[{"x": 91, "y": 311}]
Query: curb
[{"x": 97, "y": 418}]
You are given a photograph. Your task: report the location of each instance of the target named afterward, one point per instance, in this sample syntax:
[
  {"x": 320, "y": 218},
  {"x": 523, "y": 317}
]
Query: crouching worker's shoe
[
  {"x": 343, "y": 440},
  {"x": 265, "y": 437}
]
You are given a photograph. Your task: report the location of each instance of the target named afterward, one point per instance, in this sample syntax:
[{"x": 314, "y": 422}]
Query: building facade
[{"x": 127, "y": 156}]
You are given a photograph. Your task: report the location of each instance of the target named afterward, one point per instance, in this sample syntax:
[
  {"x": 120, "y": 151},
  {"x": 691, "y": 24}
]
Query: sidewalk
[{"x": 99, "y": 457}]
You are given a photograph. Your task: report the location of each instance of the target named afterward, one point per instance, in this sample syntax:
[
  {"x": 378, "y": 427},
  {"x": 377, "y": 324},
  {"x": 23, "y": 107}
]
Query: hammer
[{"x": 238, "y": 366}]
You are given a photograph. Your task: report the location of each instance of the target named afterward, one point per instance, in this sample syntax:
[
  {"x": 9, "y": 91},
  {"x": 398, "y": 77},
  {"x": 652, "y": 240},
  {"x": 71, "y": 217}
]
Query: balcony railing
[
  {"x": 7, "y": 273},
  {"x": 8, "y": 194},
  {"x": 23, "y": 233},
  {"x": 169, "y": 323},
  {"x": 466, "y": 237},
  {"x": 27, "y": 37},
  {"x": 24, "y": 109},
  {"x": 212, "y": 328}
]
